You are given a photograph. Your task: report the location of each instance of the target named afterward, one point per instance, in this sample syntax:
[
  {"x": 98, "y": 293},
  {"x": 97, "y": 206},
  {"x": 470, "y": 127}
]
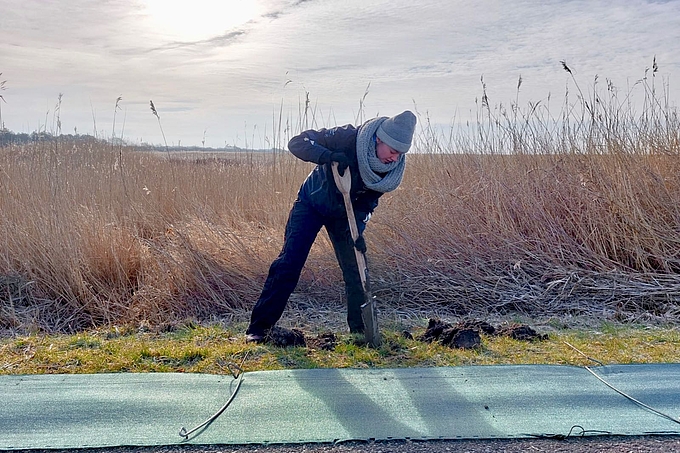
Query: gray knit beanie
[{"x": 397, "y": 132}]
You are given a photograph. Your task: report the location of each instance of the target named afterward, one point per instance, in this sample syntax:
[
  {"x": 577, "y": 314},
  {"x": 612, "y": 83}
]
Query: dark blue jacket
[{"x": 319, "y": 188}]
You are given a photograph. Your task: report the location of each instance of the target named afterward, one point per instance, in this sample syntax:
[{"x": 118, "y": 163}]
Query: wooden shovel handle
[
  {"x": 368, "y": 312},
  {"x": 344, "y": 183}
]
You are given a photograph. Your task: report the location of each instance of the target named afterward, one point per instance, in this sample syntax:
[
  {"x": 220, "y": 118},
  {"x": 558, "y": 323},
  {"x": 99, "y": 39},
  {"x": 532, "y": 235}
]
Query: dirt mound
[
  {"x": 407, "y": 335},
  {"x": 325, "y": 341},
  {"x": 284, "y": 338},
  {"x": 435, "y": 328},
  {"x": 281, "y": 337},
  {"x": 482, "y": 326},
  {"x": 458, "y": 336},
  {"x": 466, "y": 334},
  {"x": 463, "y": 335},
  {"x": 521, "y": 332},
  {"x": 461, "y": 338}
]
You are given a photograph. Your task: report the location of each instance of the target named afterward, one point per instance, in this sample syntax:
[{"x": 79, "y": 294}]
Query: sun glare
[{"x": 198, "y": 19}]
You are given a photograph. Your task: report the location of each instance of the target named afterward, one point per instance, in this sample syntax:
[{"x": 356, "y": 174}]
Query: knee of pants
[{"x": 288, "y": 264}]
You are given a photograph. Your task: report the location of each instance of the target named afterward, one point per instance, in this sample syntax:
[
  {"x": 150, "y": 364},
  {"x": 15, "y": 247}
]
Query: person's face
[{"x": 385, "y": 153}]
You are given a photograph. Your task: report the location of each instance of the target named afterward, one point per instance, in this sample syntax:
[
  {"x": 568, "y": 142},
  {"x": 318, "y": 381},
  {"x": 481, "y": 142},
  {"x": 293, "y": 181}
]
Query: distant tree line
[{"x": 8, "y": 137}]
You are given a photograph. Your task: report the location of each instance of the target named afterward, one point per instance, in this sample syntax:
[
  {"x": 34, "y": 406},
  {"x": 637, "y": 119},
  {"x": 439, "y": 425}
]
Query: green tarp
[{"x": 328, "y": 405}]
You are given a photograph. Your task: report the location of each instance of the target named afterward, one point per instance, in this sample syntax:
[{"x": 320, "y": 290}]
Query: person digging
[{"x": 375, "y": 154}]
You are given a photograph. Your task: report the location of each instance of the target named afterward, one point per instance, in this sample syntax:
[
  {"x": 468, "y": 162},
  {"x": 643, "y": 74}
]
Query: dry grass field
[{"x": 520, "y": 212}]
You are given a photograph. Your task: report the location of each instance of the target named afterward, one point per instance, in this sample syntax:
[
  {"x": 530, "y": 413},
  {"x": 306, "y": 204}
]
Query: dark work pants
[{"x": 304, "y": 223}]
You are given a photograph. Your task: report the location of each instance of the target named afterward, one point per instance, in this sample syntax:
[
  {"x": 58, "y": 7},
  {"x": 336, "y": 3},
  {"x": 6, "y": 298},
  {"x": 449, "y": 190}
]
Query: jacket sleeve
[
  {"x": 364, "y": 205},
  {"x": 317, "y": 146},
  {"x": 362, "y": 220}
]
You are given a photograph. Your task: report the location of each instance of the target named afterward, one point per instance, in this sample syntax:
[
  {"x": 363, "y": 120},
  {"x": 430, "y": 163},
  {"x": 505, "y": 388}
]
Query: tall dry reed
[{"x": 521, "y": 211}]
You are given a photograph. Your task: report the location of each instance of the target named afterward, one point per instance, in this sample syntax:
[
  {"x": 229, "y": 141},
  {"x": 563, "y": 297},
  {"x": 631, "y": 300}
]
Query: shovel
[{"x": 368, "y": 312}]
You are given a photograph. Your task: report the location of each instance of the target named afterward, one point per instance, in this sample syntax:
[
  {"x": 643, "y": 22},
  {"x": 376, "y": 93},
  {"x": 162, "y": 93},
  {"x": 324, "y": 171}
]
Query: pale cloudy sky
[{"x": 225, "y": 69}]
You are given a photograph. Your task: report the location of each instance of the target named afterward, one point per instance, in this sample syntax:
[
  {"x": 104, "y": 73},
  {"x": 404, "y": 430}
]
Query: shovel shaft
[
  {"x": 368, "y": 312},
  {"x": 361, "y": 259}
]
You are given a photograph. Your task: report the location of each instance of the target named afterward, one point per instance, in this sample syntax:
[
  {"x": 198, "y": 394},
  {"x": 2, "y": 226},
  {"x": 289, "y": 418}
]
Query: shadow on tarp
[
  {"x": 395, "y": 404},
  {"x": 330, "y": 405}
]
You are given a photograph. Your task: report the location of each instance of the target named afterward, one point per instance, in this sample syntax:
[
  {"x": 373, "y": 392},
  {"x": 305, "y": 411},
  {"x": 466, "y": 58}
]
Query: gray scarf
[{"x": 370, "y": 165}]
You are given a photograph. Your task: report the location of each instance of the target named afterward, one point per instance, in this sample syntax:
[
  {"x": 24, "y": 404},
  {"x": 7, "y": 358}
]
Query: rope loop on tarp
[
  {"x": 572, "y": 433},
  {"x": 625, "y": 395},
  {"x": 237, "y": 373},
  {"x": 638, "y": 402}
]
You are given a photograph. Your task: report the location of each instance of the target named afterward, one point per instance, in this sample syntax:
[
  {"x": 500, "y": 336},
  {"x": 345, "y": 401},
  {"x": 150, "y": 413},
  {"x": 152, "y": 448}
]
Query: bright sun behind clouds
[{"x": 197, "y": 20}]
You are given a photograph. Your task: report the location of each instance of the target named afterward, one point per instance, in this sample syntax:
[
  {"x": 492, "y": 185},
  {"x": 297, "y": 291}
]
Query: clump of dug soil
[
  {"x": 462, "y": 335},
  {"x": 325, "y": 341},
  {"x": 282, "y": 337},
  {"x": 521, "y": 332},
  {"x": 458, "y": 336},
  {"x": 466, "y": 334}
]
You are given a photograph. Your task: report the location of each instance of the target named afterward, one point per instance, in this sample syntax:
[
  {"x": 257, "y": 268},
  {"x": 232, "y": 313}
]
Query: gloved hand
[
  {"x": 342, "y": 160},
  {"x": 360, "y": 244}
]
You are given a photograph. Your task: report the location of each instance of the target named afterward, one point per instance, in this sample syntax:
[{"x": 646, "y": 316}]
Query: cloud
[
  {"x": 217, "y": 41},
  {"x": 429, "y": 51}
]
